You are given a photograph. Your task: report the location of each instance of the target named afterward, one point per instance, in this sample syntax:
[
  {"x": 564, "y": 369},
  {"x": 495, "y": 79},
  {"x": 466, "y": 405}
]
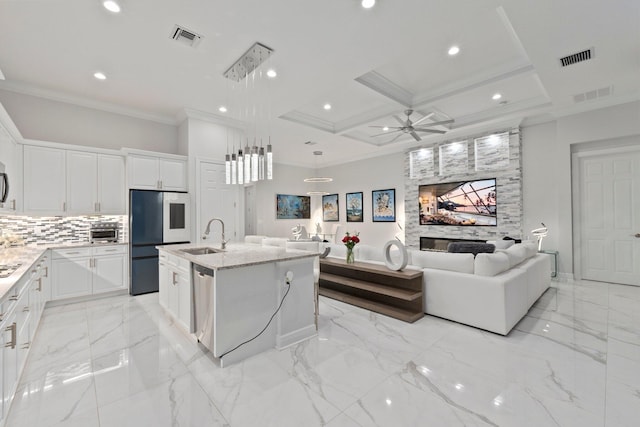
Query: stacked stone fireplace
[{"x": 477, "y": 160}]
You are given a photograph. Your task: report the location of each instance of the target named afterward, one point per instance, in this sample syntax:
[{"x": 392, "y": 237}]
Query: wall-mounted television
[{"x": 465, "y": 203}]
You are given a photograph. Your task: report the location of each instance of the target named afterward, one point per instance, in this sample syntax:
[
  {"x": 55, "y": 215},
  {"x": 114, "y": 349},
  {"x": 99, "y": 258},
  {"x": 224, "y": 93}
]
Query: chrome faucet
[{"x": 208, "y": 229}]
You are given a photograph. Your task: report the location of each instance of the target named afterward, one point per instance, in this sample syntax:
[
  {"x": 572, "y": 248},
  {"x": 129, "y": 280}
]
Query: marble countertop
[
  {"x": 237, "y": 255},
  {"x": 27, "y": 255}
]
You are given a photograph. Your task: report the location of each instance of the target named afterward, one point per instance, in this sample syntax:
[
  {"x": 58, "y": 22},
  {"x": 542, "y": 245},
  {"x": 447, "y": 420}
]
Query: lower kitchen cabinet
[
  {"x": 175, "y": 288},
  {"x": 86, "y": 271}
]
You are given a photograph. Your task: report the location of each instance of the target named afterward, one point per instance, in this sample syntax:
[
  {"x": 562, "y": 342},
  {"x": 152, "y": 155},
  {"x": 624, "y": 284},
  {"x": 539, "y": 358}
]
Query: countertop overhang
[{"x": 236, "y": 255}]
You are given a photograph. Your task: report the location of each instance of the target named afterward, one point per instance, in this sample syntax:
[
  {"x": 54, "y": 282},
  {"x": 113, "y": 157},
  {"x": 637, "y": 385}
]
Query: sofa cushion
[
  {"x": 501, "y": 244},
  {"x": 459, "y": 262},
  {"x": 531, "y": 248},
  {"x": 516, "y": 254},
  {"x": 470, "y": 247},
  {"x": 491, "y": 264}
]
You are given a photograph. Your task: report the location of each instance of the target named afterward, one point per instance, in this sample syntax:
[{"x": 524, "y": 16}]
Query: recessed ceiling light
[
  {"x": 222, "y": 109},
  {"x": 271, "y": 73},
  {"x": 454, "y": 50},
  {"x": 327, "y": 106},
  {"x": 111, "y": 6},
  {"x": 100, "y": 75},
  {"x": 386, "y": 128},
  {"x": 496, "y": 96},
  {"x": 368, "y": 4}
]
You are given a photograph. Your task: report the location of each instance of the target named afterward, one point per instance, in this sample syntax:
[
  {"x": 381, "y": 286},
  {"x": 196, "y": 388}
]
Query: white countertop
[
  {"x": 27, "y": 255},
  {"x": 237, "y": 255}
]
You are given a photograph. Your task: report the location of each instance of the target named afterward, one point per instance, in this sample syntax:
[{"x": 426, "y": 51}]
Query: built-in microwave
[
  {"x": 4, "y": 185},
  {"x": 176, "y": 217}
]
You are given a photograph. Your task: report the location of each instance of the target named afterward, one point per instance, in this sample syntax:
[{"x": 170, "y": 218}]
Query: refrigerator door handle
[{"x": 5, "y": 187}]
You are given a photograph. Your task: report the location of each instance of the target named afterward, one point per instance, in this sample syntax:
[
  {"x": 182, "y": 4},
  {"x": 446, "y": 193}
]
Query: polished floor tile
[{"x": 573, "y": 360}]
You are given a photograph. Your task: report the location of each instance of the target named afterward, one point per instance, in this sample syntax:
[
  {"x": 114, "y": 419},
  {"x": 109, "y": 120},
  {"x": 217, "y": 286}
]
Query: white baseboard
[{"x": 294, "y": 337}]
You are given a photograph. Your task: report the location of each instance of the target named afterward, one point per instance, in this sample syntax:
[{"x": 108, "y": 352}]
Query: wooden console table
[{"x": 393, "y": 293}]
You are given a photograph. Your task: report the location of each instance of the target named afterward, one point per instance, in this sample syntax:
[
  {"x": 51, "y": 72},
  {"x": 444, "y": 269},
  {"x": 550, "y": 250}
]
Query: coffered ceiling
[{"x": 368, "y": 64}]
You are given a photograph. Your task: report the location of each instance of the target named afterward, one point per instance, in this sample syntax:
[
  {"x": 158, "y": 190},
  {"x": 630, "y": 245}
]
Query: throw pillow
[
  {"x": 491, "y": 264},
  {"x": 470, "y": 248}
]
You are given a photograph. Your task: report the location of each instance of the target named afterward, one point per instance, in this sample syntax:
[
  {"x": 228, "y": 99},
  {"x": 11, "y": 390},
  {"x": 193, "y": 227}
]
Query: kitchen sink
[{"x": 201, "y": 251}]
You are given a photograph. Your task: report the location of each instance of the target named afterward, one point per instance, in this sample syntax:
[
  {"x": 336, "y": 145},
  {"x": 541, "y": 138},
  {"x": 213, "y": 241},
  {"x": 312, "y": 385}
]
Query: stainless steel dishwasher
[{"x": 203, "y": 305}]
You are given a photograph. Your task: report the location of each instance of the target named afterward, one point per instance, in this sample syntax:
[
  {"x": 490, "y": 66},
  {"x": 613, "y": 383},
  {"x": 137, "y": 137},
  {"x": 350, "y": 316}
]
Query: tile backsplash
[{"x": 58, "y": 229}]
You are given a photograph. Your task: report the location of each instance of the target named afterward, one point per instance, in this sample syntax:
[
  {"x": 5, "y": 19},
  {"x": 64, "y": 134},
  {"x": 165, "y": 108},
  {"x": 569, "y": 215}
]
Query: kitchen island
[{"x": 235, "y": 292}]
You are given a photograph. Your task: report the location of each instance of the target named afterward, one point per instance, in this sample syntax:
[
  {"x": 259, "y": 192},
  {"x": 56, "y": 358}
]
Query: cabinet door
[
  {"x": 163, "y": 283},
  {"x": 9, "y": 360},
  {"x": 144, "y": 172},
  {"x": 71, "y": 277},
  {"x": 173, "y": 174},
  {"x": 111, "y": 187},
  {"x": 82, "y": 177},
  {"x": 108, "y": 273},
  {"x": 173, "y": 294},
  {"x": 9, "y": 156},
  {"x": 23, "y": 321},
  {"x": 184, "y": 300},
  {"x": 44, "y": 180}
]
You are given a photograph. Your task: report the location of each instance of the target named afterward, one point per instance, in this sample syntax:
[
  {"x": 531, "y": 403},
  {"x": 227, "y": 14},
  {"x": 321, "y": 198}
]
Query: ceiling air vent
[
  {"x": 188, "y": 37},
  {"x": 574, "y": 58},
  {"x": 593, "y": 94},
  {"x": 310, "y": 143}
]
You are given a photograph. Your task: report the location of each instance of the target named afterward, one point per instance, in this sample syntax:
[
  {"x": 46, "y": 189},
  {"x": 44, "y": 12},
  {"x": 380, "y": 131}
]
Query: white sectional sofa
[{"x": 491, "y": 291}]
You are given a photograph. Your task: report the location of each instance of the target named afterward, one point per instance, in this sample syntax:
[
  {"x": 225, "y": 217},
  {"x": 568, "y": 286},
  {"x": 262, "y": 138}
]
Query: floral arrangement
[{"x": 350, "y": 241}]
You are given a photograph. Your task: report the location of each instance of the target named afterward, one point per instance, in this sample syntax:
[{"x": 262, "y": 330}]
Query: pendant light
[
  {"x": 317, "y": 179},
  {"x": 240, "y": 168}
]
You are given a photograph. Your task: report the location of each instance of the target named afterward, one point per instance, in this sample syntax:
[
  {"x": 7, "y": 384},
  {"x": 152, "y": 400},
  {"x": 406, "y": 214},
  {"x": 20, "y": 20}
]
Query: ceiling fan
[{"x": 412, "y": 128}]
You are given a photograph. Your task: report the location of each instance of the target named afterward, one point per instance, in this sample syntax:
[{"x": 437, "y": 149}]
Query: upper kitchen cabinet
[
  {"x": 95, "y": 183},
  {"x": 157, "y": 173},
  {"x": 69, "y": 182},
  {"x": 44, "y": 180},
  {"x": 11, "y": 159}
]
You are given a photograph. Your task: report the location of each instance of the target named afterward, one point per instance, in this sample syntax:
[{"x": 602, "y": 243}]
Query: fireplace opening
[{"x": 441, "y": 243}]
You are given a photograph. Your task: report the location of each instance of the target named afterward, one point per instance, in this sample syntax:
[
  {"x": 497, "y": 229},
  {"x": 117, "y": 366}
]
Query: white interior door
[
  {"x": 610, "y": 216},
  {"x": 216, "y": 200}
]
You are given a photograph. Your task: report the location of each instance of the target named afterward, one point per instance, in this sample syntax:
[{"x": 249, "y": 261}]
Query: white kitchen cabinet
[
  {"x": 10, "y": 155},
  {"x": 82, "y": 178},
  {"x": 95, "y": 183},
  {"x": 9, "y": 349},
  {"x": 157, "y": 173},
  {"x": 175, "y": 293},
  {"x": 44, "y": 175},
  {"x": 87, "y": 271},
  {"x": 112, "y": 194},
  {"x": 71, "y": 273}
]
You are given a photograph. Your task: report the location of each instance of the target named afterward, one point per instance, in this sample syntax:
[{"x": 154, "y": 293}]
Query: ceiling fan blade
[
  {"x": 388, "y": 127},
  {"x": 431, "y": 130},
  {"x": 441, "y": 122},
  {"x": 415, "y": 136},
  {"x": 399, "y": 120},
  {"x": 386, "y": 133},
  {"x": 428, "y": 116}
]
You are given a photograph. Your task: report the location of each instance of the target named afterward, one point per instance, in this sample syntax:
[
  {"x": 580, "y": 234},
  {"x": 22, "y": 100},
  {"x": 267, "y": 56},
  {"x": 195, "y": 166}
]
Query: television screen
[{"x": 458, "y": 203}]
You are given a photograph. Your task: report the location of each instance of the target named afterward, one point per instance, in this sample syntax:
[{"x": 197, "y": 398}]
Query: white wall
[
  {"x": 547, "y": 168},
  {"x": 47, "y": 120}
]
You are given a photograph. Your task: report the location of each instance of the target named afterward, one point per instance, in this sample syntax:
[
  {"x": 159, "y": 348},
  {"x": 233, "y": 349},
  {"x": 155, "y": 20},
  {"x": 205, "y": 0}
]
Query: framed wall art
[
  {"x": 330, "y": 211},
  {"x": 293, "y": 207},
  {"x": 354, "y": 207},
  {"x": 383, "y": 207}
]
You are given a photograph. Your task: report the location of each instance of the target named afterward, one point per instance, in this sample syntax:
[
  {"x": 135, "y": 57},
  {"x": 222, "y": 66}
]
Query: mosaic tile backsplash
[{"x": 58, "y": 229}]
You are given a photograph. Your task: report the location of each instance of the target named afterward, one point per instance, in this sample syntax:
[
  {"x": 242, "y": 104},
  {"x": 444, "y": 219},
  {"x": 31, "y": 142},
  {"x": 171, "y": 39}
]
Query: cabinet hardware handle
[
  {"x": 72, "y": 253},
  {"x": 13, "y": 298},
  {"x": 64, "y": 206},
  {"x": 637, "y": 235},
  {"x": 26, "y": 345},
  {"x": 13, "y": 204},
  {"x": 46, "y": 271},
  {"x": 12, "y": 329},
  {"x": 110, "y": 250},
  {"x": 1, "y": 317},
  {"x": 174, "y": 277},
  {"x": 25, "y": 309},
  {"x": 40, "y": 284}
]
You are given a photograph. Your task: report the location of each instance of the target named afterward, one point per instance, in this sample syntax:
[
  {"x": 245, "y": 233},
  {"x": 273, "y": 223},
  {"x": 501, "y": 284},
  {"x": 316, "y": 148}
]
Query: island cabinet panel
[{"x": 175, "y": 288}]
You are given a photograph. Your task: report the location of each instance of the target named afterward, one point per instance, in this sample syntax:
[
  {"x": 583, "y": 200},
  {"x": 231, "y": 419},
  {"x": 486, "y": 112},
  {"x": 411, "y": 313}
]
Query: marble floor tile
[{"x": 573, "y": 360}]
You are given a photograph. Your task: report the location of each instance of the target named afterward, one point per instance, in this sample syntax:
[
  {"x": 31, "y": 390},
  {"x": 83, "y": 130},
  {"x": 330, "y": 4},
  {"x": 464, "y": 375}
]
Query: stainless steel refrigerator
[{"x": 155, "y": 218}]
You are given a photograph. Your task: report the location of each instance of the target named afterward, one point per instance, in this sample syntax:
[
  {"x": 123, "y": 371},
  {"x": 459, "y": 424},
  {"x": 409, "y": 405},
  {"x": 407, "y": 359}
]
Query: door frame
[{"x": 601, "y": 149}]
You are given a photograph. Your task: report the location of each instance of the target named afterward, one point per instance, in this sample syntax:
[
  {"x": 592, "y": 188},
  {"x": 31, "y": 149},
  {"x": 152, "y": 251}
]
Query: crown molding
[
  {"x": 52, "y": 95},
  {"x": 379, "y": 83},
  {"x": 308, "y": 120},
  {"x": 190, "y": 113}
]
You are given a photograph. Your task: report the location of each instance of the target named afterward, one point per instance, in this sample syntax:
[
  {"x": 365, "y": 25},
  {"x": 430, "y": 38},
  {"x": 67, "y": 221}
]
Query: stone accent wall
[
  {"x": 58, "y": 229},
  {"x": 508, "y": 182}
]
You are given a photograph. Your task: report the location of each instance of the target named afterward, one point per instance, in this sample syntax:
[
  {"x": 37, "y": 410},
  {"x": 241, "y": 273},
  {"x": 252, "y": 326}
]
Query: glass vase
[{"x": 350, "y": 257}]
